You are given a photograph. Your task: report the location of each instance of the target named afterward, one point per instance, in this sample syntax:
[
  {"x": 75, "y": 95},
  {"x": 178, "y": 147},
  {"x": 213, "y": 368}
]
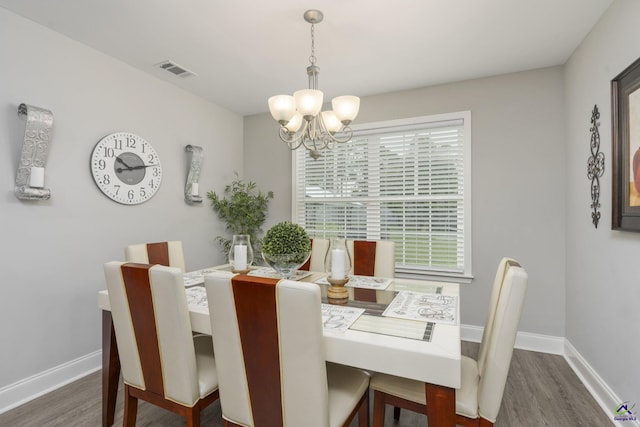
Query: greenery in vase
[
  {"x": 244, "y": 209},
  {"x": 287, "y": 238}
]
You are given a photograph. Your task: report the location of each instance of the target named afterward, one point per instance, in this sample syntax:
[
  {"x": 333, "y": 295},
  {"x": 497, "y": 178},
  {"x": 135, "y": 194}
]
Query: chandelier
[{"x": 302, "y": 123}]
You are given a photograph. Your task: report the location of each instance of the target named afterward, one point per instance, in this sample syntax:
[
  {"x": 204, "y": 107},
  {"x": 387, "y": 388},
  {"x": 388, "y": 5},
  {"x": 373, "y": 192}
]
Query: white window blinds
[{"x": 403, "y": 180}]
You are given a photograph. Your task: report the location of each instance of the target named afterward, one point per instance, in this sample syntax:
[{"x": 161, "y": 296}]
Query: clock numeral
[
  {"x": 109, "y": 152},
  {"x": 106, "y": 179},
  {"x": 117, "y": 144},
  {"x": 151, "y": 184},
  {"x": 143, "y": 193},
  {"x": 130, "y": 194},
  {"x": 102, "y": 164},
  {"x": 131, "y": 143},
  {"x": 156, "y": 172},
  {"x": 117, "y": 187},
  {"x": 151, "y": 158}
]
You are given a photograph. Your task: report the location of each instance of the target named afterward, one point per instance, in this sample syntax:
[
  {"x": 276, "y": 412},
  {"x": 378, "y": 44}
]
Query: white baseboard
[
  {"x": 598, "y": 388},
  {"x": 524, "y": 340},
  {"x": 21, "y": 392}
]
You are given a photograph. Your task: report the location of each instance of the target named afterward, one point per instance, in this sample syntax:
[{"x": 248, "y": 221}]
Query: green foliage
[
  {"x": 286, "y": 238},
  {"x": 244, "y": 209}
]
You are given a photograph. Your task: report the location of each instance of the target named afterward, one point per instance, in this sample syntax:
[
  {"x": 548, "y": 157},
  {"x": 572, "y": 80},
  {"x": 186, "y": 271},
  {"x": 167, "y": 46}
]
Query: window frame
[{"x": 406, "y": 272}]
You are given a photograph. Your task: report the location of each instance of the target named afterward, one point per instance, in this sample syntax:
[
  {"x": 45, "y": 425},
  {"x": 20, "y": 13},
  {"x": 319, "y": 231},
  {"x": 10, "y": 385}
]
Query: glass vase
[
  {"x": 240, "y": 253},
  {"x": 337, "y": 264}
]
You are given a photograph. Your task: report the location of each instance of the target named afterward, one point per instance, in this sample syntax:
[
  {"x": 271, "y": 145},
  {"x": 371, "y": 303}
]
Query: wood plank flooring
[{"x": 541, "y": 390}]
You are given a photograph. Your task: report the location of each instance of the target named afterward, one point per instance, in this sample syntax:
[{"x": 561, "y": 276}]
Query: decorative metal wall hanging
[
  {"x": 595, "y": 166},
  {"x": 35, "y": 148},
  {"x": 195, "y": 165}
]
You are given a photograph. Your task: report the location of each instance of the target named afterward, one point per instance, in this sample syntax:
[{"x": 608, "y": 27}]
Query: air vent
[{"x": 175, "y": 69}]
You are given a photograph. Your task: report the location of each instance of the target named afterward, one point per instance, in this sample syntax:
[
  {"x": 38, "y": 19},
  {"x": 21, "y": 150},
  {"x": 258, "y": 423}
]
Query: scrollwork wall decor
[
  {"x": 195, "y": 165},
  {"x": 29, "y": 183},
  {"x": 595, "y": 165}
]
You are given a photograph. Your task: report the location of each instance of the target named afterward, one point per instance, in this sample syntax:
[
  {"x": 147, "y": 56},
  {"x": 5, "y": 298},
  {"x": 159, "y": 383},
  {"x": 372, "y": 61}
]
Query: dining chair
[
  {"x": 163, "y": 253},
  {"x": 162, "y": 363},
  {"x": 269, "y": 346},
  {"x": 501, "y": 272},
  {"x": 319, "y": 249},
  {"x": 479, "y": 397},
  {"x": 372, "y": 257}
]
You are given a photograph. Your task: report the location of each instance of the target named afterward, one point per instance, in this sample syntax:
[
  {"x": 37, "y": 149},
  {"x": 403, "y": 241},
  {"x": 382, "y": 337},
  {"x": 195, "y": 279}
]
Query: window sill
[{"x": 435, "y": 276}]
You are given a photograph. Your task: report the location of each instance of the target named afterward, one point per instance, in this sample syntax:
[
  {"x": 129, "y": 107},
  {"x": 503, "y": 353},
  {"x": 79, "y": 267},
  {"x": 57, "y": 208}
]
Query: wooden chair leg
[
  {"x": 193, "y": 418},
  {"x": 396, "y": 413},
  {"x": 378, "y": 409},
  {"x": 130, "y": 408},
  {"x": 363, "y": 412}
]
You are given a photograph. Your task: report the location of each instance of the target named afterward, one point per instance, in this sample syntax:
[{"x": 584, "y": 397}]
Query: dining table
[{"x": 404, "y": 327}]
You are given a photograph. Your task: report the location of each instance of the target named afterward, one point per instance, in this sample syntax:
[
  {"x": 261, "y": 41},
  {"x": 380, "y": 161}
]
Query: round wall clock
[{"x": 126, "y": 168}]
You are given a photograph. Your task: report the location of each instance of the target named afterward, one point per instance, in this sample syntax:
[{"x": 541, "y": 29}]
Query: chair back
[
  {"x": 153, "y": 330},
  {"x": 319, "y": 249},
  {"x": 504, "y": 264},
  {"x": 493, "y": 376},
  {"x": 267, "y": 336},
  {"x": 373, "y": 257},
  {"x": 163, "y": 253}
]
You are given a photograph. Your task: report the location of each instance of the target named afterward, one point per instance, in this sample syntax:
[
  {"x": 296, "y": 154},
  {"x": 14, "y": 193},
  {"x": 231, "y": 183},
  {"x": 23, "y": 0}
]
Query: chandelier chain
[{"x": 312, "y": 58}]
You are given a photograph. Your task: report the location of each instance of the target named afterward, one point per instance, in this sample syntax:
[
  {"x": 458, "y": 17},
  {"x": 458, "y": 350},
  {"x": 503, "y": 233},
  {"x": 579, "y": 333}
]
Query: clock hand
[
  {"x": 141, "y": 167},
  {"x": 119, "y": 160}
]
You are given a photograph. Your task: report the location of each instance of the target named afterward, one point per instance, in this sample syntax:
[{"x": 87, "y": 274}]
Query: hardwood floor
[{"x": 541, "y": 390}]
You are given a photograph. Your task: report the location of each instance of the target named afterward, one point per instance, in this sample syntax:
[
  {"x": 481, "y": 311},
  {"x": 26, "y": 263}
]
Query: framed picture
[{"x": 625, "y": 108}]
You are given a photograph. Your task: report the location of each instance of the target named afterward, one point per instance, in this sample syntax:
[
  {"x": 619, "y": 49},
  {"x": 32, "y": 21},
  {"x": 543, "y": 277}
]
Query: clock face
[{"x": 126, "y": 168}]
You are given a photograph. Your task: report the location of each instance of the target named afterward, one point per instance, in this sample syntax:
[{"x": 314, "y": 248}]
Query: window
[{"x": 404, "y": 180}]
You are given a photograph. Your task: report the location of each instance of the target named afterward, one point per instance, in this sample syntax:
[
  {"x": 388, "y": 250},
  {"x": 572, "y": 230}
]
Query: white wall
[
  {"x": 52, "y": 252},
  {"x": 603, "y": 284},
  {"x": 518, "y": 160}
]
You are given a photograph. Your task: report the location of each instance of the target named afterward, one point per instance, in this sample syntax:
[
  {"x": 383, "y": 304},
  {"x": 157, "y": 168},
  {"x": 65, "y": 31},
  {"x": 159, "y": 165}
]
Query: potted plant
[
  {"x": 244, "y": 209},
  {"x": 285, "y": 247}
]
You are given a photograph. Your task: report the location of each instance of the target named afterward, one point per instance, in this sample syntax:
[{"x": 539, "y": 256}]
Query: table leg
[
  {"x": 441, "y": 405},
  {"x": 110, "y": 370}
]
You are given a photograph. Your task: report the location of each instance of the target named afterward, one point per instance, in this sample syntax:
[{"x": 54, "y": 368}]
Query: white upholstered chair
[
  {"x": 163, "y": 253},
  {"x": 501, "y": 272},
  {"x": 162, "y": 363},
  {"x": 269, "y": 349},
  {"x": 479, "y": 398},
  {"x": 319, "y": 249},
  {"x": 372, "y": 257}
]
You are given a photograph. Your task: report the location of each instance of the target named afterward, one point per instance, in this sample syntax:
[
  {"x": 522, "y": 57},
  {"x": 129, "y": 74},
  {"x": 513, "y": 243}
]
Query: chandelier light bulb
[
  {"x": 294, "y": 124},
  {"x": 346, "y": 108},
  {"x": 282, "y": 108},
  {"x": 308, "y": 102},
  {"x": 331, "y": 122}
]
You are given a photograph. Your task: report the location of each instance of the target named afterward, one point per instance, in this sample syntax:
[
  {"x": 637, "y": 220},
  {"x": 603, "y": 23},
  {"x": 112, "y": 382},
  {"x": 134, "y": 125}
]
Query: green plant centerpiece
[
  {"x": 285, "y": 247},
  {"x": 244, "y": 209}
]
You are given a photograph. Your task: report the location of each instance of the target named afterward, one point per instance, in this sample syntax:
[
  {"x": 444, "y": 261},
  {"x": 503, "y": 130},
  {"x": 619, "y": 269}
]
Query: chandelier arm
[
  {"x": 314, "y": 140},
  {"x": 332, "y": 135},
  {"x": 293, "y": 140},
  {"x": 347, "y": 137}
]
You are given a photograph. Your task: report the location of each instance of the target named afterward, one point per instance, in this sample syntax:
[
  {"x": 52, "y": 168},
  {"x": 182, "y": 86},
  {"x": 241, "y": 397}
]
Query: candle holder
[
  {"x": 240, "y": 253},
  {"x": 191, "y": 190},
  {"x": 35, "y": 149},
  {"x": 337, "y": 264}
]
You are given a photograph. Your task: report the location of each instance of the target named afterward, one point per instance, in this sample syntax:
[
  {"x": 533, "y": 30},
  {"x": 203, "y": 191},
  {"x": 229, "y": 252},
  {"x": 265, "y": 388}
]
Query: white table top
[{"x": 437, "y": 361}]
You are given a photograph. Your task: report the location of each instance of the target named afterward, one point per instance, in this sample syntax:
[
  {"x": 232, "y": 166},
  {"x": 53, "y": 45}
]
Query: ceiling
[{"x": 243, "y": 51}]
